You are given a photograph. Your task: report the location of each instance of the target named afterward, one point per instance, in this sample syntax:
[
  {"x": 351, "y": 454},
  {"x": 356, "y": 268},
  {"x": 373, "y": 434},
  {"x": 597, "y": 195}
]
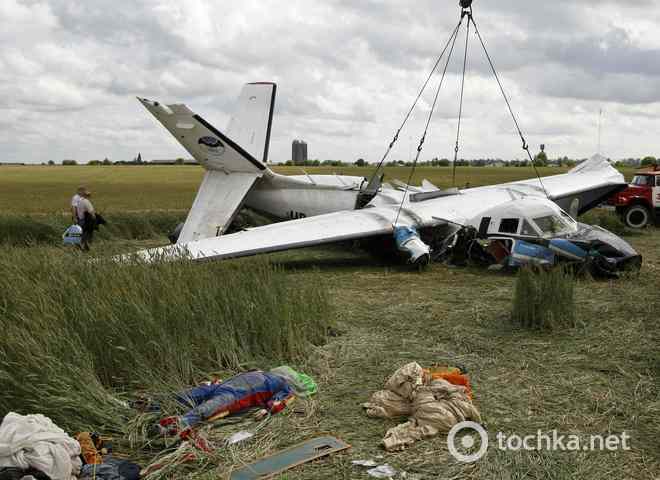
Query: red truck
[{"x": 639, "y": 204}]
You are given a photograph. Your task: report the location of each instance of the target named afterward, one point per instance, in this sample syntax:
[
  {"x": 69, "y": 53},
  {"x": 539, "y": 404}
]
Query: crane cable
[
  {"x": 460, "y": 110},
  {"x": 430, "y": 117},
  {"x": 412, "y": 108},
  {"x": 525, "y": 145}
]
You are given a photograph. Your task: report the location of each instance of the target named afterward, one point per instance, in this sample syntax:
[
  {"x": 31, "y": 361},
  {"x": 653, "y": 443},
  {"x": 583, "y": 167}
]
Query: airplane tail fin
[{"x": 234, "y": 161}]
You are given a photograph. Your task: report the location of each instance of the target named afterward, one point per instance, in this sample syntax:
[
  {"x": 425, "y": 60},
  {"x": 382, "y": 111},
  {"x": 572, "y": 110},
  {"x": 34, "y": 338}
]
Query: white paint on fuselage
[{"x": 301, "y": 196}]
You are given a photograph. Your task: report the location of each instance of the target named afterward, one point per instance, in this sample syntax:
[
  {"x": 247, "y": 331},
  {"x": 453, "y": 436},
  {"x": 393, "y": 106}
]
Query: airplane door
[{"x": 656, "y": 192}]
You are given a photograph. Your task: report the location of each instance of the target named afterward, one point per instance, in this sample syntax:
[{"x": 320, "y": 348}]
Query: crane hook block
[{"x": 466, "y": 3}]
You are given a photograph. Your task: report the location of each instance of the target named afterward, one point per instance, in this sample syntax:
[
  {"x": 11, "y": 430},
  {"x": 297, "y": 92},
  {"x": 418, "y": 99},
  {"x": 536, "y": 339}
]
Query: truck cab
[{"x": 639, "y": 204}]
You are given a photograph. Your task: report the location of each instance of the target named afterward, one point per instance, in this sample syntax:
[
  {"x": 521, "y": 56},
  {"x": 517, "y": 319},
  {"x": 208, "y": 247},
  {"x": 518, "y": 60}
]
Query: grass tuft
[{"x": 544, "y": 299}]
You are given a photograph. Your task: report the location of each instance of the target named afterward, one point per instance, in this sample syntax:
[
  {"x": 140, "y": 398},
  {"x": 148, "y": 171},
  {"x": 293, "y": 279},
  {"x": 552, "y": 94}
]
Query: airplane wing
[
  {"x": 578, "y": 191},
  {"x": 319, "y": 230}
]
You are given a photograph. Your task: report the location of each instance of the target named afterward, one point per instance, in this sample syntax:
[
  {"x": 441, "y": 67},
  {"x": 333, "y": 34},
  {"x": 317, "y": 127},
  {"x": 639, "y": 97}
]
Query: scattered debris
[
  {"x": 292, "y": 457},
  {"x": 437, "y": 399},
  {"x": 72, "y": 235},
  {"x": 239, "y": 437},
  {"x": 99, "y": 464},
  {"x": 364, "y": 463},
  {"x": 383, "y": 471}
]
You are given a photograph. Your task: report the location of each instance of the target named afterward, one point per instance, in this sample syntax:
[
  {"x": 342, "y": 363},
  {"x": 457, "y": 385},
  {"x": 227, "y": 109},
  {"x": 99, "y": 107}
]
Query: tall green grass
[
  {"x": 76, "y": 332},
  {"x": 30, "y": 230},
  {"x": 544, "y": 299}
]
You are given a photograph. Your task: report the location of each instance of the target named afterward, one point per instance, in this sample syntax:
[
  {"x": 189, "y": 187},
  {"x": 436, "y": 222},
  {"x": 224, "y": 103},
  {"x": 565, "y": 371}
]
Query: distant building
[{"x": 299, "y": 152}]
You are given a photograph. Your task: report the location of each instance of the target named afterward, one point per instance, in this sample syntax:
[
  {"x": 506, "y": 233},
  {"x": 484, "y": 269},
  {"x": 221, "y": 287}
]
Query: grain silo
[{"x": 299, "y": 152}]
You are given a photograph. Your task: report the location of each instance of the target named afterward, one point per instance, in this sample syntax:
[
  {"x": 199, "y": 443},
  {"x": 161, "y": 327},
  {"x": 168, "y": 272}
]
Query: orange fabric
[
  {"x": 88, "y": 450},
  {"x": 453, "y": 376}
]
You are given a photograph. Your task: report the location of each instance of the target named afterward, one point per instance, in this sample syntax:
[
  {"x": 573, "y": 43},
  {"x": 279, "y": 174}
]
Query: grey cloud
[{"x": 347, "y": 70}]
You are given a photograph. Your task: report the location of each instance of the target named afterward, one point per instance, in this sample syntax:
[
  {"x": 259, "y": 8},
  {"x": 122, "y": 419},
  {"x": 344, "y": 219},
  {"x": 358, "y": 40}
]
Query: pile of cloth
[
  {"x": 433, "y": 400},
  {"x": 33, "y": 447}
]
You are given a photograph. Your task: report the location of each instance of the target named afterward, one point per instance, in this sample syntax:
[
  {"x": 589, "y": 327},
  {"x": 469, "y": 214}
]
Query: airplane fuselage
[{"x": 302, "y": 196}]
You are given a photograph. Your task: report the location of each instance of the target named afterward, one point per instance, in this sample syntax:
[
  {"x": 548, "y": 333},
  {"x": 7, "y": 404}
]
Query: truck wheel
[{"x": 637, "y": 216}]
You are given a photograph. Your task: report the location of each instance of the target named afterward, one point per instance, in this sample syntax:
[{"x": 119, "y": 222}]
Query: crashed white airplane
[{"x": 509, "y": 224}]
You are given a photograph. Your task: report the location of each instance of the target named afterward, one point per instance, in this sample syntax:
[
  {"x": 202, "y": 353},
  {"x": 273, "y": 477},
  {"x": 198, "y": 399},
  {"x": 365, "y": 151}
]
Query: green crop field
[
  {"x": 78, "y": 336},
  {"x": 48, "y": 189}
]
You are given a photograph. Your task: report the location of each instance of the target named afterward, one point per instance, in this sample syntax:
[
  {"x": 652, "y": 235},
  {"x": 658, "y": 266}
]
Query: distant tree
[
  {"x": 541, "y": 160},
  {"x": 649, "y": 162},
  {"x": 289, "y": 163},
  {"x": 360, "y": 162},
  {"x": 106, "y": 161},
  {"x": 51, "y": 163},
  {"x": 95, "y": 163},
  {"x": 69, "y": 162},
  {"x": 179, "y": 161}
]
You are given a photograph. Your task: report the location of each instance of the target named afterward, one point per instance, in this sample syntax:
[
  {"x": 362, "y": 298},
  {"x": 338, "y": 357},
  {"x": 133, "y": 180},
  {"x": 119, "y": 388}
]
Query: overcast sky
[{"x": 347, "y": 71}]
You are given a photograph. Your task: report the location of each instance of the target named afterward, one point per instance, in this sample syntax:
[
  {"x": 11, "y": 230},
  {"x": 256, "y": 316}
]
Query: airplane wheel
[{"x": 637, "y": 216}]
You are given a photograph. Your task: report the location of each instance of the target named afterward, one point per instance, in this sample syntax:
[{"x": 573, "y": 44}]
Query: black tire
[{"x": 637, "y": 216}]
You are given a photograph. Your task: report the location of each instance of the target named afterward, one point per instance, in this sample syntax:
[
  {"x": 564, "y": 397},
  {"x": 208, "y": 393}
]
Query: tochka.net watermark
[{"x": 473, "y": 435}]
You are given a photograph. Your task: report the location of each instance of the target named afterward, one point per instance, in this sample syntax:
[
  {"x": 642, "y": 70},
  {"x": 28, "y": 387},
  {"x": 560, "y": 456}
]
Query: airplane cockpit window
[
  {"x": 552, "y": 224},
  {"x": 528, "y": 230},
  {"x": 509, "y": 225}
]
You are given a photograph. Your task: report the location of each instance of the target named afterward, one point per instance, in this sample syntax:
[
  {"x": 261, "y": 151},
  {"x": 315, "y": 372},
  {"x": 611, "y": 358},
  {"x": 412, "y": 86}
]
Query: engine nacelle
[{"x": 410, "y": 244}]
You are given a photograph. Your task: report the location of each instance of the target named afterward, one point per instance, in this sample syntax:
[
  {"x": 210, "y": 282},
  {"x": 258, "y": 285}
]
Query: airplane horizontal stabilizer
[{"x": 213, "y": 149}]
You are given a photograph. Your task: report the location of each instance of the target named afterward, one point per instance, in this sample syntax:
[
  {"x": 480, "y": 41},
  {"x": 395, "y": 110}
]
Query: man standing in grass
[
  {"x": 74, "y": 203},
  {"x": 86, "y": 218}
]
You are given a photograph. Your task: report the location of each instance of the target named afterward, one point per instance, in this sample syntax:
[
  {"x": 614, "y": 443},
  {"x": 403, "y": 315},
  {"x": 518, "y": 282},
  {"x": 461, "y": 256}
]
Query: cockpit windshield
[
  {"x": 554, "y": 224},
  {"x": 643, "y": 181}
]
